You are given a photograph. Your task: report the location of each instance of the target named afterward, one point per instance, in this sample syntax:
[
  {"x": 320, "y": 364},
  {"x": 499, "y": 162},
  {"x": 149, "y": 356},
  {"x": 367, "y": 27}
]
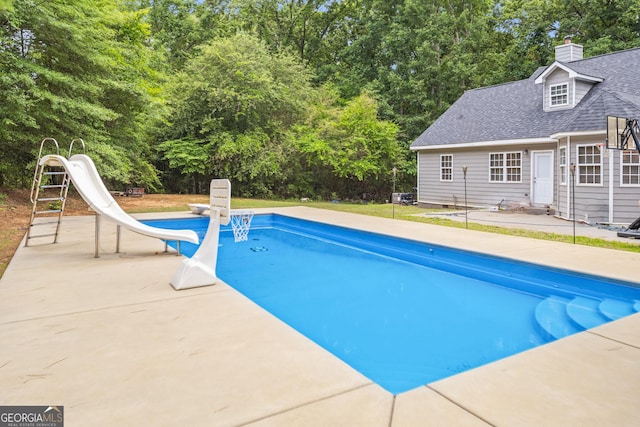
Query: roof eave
[
  {"x": 486, "y": 143},
  {"x": 579, "y": 133},
  {"x": 573, "y": 74}
]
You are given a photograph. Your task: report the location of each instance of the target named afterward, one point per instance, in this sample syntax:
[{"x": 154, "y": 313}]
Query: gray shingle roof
[{"x": 513, "y": 111}]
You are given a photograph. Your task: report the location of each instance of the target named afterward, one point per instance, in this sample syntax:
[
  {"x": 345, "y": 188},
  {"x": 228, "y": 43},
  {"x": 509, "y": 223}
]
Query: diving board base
[{"x": 200, "y": 269}]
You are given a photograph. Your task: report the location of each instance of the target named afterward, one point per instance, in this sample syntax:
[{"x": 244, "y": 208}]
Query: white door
[{"x": 542, "y": 177}]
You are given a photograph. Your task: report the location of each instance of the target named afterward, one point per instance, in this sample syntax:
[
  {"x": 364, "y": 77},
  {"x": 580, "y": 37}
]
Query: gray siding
[
  {"x": 627, "y": 198},
  {"x": 592, "y": 202},
  {"x": 481, "y": 192},
  {"x": 569, "y": 52},
  {"x": 581, "y": 88}
]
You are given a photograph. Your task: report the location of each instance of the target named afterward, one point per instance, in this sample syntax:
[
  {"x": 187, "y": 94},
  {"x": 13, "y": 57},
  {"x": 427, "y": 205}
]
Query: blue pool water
[{"x": 405, "y": 313}]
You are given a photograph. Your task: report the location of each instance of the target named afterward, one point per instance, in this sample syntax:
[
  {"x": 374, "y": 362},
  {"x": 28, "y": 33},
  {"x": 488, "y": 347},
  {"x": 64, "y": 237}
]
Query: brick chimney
[{"x": 568, "y": 51}]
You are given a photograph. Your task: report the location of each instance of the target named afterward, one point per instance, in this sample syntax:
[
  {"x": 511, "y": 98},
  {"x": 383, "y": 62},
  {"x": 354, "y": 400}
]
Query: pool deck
[{"x": 110, "y": 340}]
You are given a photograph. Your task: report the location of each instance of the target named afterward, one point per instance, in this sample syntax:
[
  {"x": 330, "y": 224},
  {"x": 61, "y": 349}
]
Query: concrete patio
[{"x": 110, "y": 340}]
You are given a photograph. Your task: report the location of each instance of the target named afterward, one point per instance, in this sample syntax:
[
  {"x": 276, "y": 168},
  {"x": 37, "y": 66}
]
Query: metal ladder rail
[
  {"x": 73, "y": 141},
  {"x": 64, "y": 189},
  {"x": 37, "y": 186},
  {"x": 35, "y": 172}
]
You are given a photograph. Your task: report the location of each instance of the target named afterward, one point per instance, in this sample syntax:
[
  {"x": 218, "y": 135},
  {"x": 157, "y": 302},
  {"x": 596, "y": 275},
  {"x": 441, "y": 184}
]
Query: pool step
[
  {"x": 586, "y": 312},
  {"x": 615, "y": 309},
  {"x": 551, "y": 314},
  {"x": 559, "y": 317}
]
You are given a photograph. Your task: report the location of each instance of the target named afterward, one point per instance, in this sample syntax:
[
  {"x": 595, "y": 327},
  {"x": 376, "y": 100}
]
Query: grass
[
  {"x": 373, "y": 209},
  {"x": 408, "y": 213}
]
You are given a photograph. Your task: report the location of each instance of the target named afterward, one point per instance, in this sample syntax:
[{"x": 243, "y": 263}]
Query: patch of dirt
[{"x": 15, "y": 213}]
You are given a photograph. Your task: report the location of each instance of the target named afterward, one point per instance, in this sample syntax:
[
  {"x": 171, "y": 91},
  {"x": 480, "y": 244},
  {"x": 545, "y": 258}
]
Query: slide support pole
[{"x": 97, "y": 239}]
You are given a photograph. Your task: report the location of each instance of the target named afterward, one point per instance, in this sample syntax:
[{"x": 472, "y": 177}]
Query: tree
[
  {"x": 352, "y": 146},
  {"x": 538, "y": 25},
  {"x": 75, "y": 69},
  {"x": 242, "y": 74},
  {"x": 180, "y": 27},
  {"x": 310, "y": 29},
  {"x": 418, "y": 58},
  {"x": 236, "y": 101}
]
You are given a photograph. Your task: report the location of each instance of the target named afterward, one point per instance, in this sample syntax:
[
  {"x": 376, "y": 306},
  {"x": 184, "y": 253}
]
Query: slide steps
[
  {"x": 559, "y": 317},
  {"x": 48, "y": 196}
]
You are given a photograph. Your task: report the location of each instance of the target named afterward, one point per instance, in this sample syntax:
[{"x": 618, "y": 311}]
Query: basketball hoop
[
  {"x": 622, "y": 133},
  {"x": 240, "y": 223}
]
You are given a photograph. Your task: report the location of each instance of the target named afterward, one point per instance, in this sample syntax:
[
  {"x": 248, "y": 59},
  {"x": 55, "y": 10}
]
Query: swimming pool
[{"x": 406, "y": 313}]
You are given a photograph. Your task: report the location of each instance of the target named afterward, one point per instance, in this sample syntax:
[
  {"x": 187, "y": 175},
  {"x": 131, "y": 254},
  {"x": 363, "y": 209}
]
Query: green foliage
[
  {"x": 286, "y": 97},
  {"x": 536, "y": 26},
  {"x": 351, "y": 144},
  {"x": 74, "y": 69},
  {"x": 186, "y": 154},
  {"x": 608, "y": 26},
  {"x": 6, "y": 5},
  {"x": 419, "y": 57},
  {"x": 312, "y": 30},
  {"x": 229, "y": 110},
  {"x": 179, "y": 27}
]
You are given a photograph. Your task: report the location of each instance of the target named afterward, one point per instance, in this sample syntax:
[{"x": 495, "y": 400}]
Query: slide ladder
[
  {"x": 54, "y": 173},
  {"x": 80, "y": 170},
  {"x": 49, "y": 190}
]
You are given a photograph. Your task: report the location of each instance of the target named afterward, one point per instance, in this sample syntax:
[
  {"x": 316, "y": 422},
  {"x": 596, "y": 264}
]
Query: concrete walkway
[{"x": 112, "y": 342}]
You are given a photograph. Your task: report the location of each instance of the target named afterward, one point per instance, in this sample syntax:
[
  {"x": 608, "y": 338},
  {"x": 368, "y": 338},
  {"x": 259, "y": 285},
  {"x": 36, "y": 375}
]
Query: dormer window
[
  {"x": 563, "y": 86},
  {"x": 559, "y": 95}
]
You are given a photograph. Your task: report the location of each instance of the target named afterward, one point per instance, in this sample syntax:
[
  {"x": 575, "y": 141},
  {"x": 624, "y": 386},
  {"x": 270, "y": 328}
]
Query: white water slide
[
  {"x": 85, "y": 178},
  {"x": 200, "y": 269}
]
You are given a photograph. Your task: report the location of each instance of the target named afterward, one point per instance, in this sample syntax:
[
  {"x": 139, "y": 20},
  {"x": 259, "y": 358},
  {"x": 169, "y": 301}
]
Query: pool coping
[{"x": 80, "y": 332}]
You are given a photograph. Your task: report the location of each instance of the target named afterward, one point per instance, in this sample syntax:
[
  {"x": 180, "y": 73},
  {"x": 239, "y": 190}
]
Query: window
[
  {"x": 563, "y": 165},
  {"x": 630, "y": 170},
  {"x": 446, "y": 167},
  {"x": 505, "y": 167},
  {"x": 589, "y": 165},
  {"x": 559, "y": 95}
]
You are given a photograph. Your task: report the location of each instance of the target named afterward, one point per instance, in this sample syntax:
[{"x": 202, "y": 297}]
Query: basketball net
[
  {"x": 240, "y": 223},
  {"x": 603, "y": 150}
]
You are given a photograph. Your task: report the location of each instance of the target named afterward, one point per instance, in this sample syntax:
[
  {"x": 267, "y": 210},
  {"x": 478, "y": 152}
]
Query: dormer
[{"x": 563, "y": 86}]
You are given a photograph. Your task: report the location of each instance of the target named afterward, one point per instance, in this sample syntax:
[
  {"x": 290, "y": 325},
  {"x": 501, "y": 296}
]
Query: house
[{"x": 532, "y": 142}]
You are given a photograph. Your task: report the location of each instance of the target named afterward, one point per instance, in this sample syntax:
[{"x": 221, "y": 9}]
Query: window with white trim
[
  {"x": 559, "y": 95},
  {"x": 562, "y": 161},
  {"x": 505, "y": 167},
  {"x": 630, "y": 168},
  {"x": 589, "y": 165},
  {"x": 446, "y": 167}
]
